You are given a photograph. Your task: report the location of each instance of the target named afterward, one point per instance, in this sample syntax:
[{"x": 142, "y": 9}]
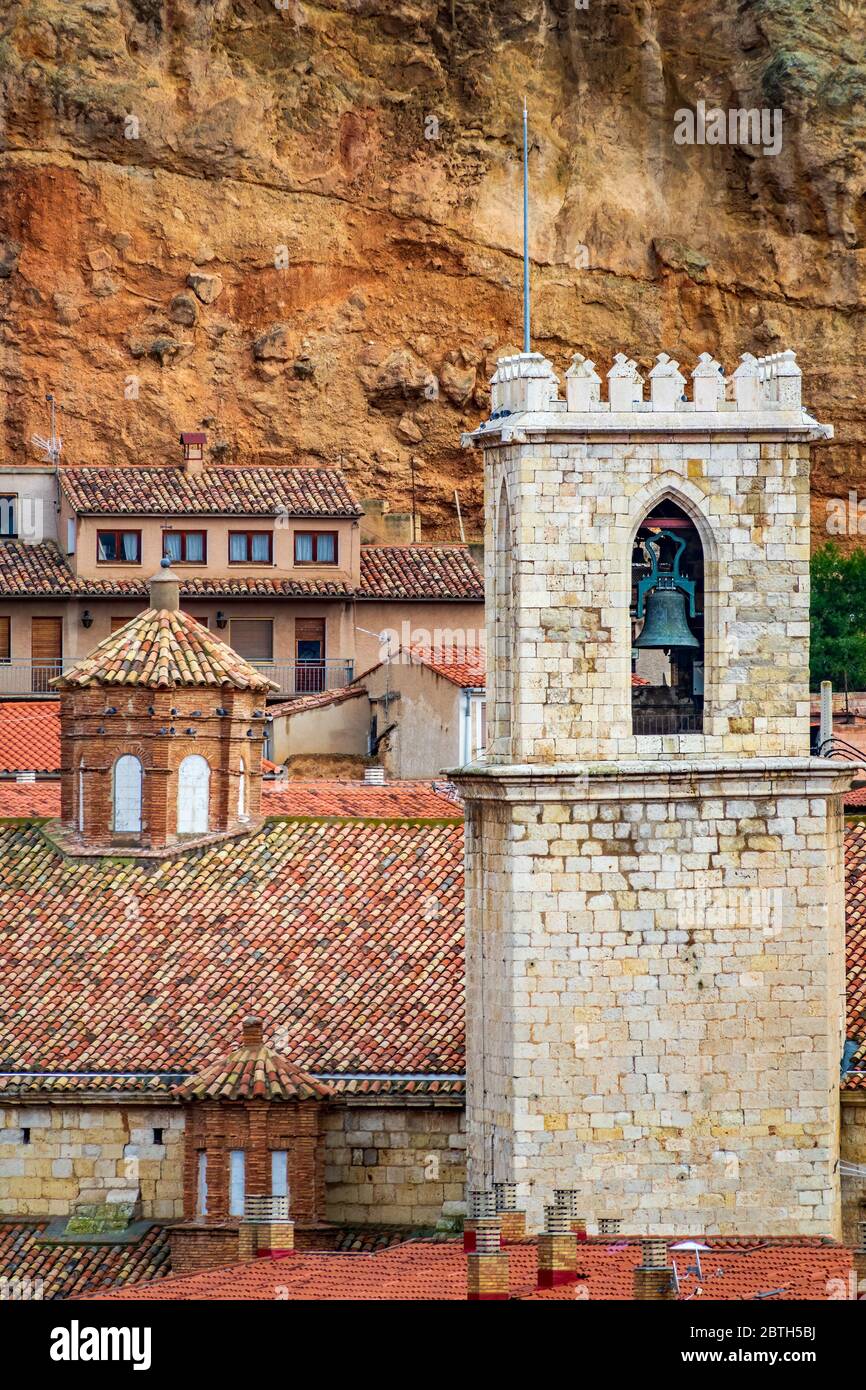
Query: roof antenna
[
  {"x": 52, "y": 446},
  {"x": 526, "y": 341}
]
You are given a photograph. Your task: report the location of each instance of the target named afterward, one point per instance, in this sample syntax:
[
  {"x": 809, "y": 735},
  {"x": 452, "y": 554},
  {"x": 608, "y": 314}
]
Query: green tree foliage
[{"x": 838, "y": 647}]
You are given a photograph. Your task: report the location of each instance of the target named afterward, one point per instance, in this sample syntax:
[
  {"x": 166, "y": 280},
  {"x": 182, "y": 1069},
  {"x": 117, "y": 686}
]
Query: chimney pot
[
  {"x": 253, "y": 1033},
  {"x": 193, "y": 450},
  {"x": 164, "y": 589}
]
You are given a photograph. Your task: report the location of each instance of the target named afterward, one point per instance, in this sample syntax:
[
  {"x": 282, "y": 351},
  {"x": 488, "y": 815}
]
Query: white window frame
[
  {"x": 279, "y": 1173},
  {"x": 126, "y": 795},
  {"x": 201, "y": 1184},
  {"x": 237, "y": 1181}
]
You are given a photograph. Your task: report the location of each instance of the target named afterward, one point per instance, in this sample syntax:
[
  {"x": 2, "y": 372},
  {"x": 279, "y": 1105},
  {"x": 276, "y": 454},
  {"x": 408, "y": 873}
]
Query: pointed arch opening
[
  {"x": 126, "y": 796},
  {"x": 243, "y": 814},
  {"x": 193, "y": 795},
  {"x": 667, "y": 621}
]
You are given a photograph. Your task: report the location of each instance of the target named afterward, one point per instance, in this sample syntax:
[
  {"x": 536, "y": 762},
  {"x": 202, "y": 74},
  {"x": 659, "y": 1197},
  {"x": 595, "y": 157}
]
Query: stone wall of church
[
  {"x": 656, "y": 992},
  {"x": 853, "y": 1151},
  {"x": 397, "y": 1165},
  {"x": 53, "y": 1156},
  {"x": 573, "y": 510},
  {"x": 388, "y": 1164}
]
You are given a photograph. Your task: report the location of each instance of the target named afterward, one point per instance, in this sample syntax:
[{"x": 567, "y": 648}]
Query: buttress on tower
[{"x": 655, "y": 903}]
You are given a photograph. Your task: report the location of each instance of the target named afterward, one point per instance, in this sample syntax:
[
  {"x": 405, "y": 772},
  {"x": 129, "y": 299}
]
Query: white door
[
  {"x": 193, "y": 795},
  {"x": 127, "y": 795}
]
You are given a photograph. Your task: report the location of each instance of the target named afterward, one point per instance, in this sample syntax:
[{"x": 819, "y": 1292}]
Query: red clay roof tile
[
  {"x": 210, "y": 492},
  {"x": 29, "y": 736},
  {"x": 798, "y": 1269},
  {"x": 419, "y": 572}
]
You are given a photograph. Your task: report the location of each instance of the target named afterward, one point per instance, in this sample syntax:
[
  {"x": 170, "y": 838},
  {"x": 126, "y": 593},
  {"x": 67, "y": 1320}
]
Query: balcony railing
[
  {"x": 307, "y": 677},
  {"x": 22, "y": 676}
]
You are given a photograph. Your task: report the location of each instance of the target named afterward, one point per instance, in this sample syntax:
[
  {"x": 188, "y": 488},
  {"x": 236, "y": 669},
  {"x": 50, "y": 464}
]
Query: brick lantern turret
[
  {"x": 161, "y": 734},
  {"x": 252, "y": 1143}
]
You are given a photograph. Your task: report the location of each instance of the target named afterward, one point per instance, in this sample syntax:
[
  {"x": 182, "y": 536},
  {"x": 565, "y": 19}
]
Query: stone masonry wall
[
  {"x": 397, "y": 1165},
  {"x": 80, "y": 1153},
  {"x": 655, "y": 993},
  {"x": 574, "y": 510},
  {"x": 388, "y": 1164},
  {"x": 854, "y": 1151}
]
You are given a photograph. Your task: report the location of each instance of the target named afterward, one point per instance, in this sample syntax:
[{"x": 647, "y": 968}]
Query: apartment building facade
[{"x": 270, "y": 559}]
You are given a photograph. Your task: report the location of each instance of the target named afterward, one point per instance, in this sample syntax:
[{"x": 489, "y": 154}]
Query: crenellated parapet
[{"x": 761, "y": 391}]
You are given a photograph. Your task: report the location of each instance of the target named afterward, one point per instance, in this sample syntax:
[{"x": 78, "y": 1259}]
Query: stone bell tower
[{"x": 655, "y": 911}]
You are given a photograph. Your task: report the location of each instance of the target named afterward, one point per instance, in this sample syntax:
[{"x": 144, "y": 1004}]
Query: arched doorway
[
  {"x": 193, "y": 795},
  {"x": 126, "y": 796},
  {"x": 667, "y": 610}
]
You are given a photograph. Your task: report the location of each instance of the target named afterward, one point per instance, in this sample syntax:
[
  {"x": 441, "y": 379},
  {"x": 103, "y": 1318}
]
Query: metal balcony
[
  {"x": 22, "y": 676},
  {"x": 307, "y": 677}
]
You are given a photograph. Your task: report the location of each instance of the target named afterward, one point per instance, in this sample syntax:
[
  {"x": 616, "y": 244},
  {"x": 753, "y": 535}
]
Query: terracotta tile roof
[
  {"x": 345, "y": 937},
  {"x": 419, "y": 572},
  {"x": 60, "y": 1083},
  {"x": 161, "y": 650},
  {"x": 327, "y": 797},
  {"x": 319, "y": 700},
  {"x": 430, "y": 1270},
  {"x": 28, "y": 571},
  {"x": 855, "y": 941},
  {"x": 74, "y": 1271},
  {"x": 855, "y": 798},
  {"x": 209, "y": 492},
  {"x": 252, "y": 1073},
  {"x": 356, "y": 1085},
  {"x": 29, "y": 736},
  {"x": 29, "y": 800},
  {"x": 463, "y": 666}
]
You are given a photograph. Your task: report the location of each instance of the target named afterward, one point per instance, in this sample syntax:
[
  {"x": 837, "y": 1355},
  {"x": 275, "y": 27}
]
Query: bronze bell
[{"x": 665, "y": 622}]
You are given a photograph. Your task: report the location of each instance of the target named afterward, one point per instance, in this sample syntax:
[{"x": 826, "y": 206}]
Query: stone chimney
[
  {"x": 487, "y": 1264},
  {"x": 653, "y": 1277},
  {"x": 512, "y": 1222},
  {"x": 565, "y": 1199},
  {"x": 164, "y": 589},
  {"x": 482, "y": 1204},
  {"x": 557, "y": 1249},
  {"x": 193, "y": 451},
  {"x": 609, "y": 1225}
]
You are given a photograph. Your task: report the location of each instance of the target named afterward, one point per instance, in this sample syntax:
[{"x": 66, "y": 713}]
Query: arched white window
[
  {"x": 127, "y": 796},
  {"x": 193, "y": 795},
  {"x": 80, "y": 799},
  {"x": 242, "y": 792}
]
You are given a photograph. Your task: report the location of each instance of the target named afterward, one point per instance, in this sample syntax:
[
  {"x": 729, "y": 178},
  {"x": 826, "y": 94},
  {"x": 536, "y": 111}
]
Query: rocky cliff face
[{"x": 298, "y": 224}]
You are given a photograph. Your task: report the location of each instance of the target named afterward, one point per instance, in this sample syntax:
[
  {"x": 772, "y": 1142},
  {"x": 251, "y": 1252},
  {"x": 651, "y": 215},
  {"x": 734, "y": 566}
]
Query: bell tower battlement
[
  {"x": 591, "y": 505},
  {"x": 654, "y": 862}
]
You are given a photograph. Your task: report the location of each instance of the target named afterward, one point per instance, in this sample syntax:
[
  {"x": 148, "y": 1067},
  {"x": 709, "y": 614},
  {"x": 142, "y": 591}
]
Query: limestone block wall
[
  {"x": 656, "y": 992},
  {"x": 854, "y": 1151},
  {"x": 391, "y": 1164},
  {"x": 567, "y": 484},
  {"x": 80, "y": 1153},
  {"x": 397, "y": 1165},
  {"x": 560, "y": 637}
]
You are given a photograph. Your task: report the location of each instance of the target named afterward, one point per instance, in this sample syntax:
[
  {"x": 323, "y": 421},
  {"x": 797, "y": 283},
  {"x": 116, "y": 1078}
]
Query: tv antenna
[{"x": 52, "y": 446}]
